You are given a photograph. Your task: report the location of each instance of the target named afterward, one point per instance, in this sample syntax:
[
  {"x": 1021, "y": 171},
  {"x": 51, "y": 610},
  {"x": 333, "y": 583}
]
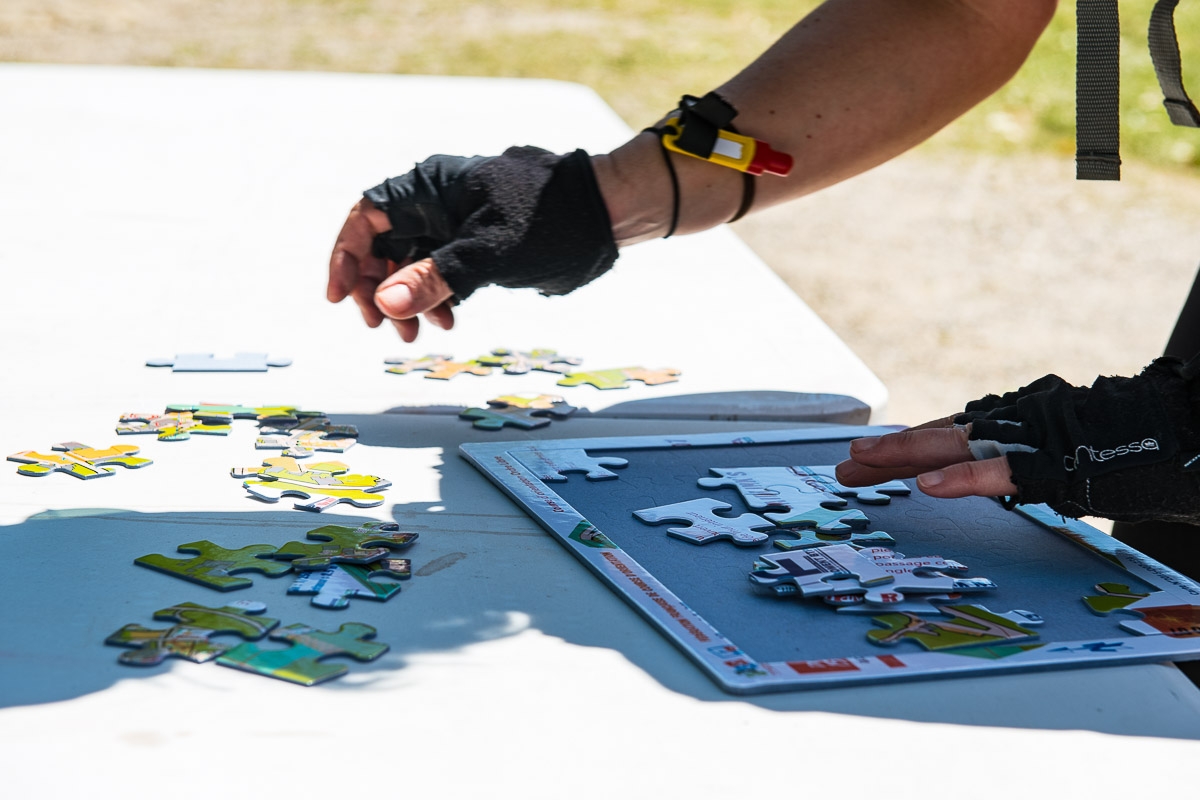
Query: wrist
[{"x": 636, "y": 188}]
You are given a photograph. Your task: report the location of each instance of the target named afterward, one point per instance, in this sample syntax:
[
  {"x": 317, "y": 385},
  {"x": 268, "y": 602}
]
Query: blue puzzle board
[{"x": 701, "y": 598}]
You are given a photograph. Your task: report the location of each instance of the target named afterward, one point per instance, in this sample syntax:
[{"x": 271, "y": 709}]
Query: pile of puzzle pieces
[
  {"x": 829, "y": 553},
  {"x": 519, "y": 362},
  {"x": 303, "y": 661},
  {"x": 338, "y": 564}
]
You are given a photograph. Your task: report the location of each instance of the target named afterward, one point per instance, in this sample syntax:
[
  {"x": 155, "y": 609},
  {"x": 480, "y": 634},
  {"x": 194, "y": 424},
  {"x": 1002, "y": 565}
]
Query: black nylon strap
[
  {"x": 1097, "y": 91},
  {"x": 1164, "y": 52}
]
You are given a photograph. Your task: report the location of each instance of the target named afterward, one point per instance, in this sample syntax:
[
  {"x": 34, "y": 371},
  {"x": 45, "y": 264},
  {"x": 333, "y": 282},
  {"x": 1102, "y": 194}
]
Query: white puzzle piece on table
[
  {"x": 206, "y": 362},
  {"x": 818, "y": 571},
  {"x": 551, "y": 464},
  {"x": 704, "y": 524},
  {"x": 334, "y": 586}
]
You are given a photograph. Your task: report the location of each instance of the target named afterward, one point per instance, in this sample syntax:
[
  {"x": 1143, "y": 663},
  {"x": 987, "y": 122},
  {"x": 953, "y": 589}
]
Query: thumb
[{"x": 413, "y": 289}]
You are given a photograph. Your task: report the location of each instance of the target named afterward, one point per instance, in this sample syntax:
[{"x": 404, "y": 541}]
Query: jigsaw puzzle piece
[
  {"x": 1112, "y": 597},
  {"x": 493, "y": 419},
  {"x": 323, "y": 485},
  {"x": 817, "y": 571},
  {"x": 303, "y": 444},
  {"x": 552, "y": 465},
  {"x": 812, "y": 514},
  {"x": 921, "y": 574},
  {"x": 303, "y": 662},
  {"x": 547, "y": 404},
  {"x": 334, "y": 586},
  {"x": 619, "y": 378},
  {"x": 918, "y": 605},
  {"x": 968, "y": 625},
  {"x": 879, "y": 494},
  {"x": 205, "y": 362},
  {"x": 218, "y": 413},
  {"x": 173, "y": 426},
  {"x": 439, "y": 367},
  {"x": 308, "y": 422},
  {"x": 213, "y": 566},
  {"x": 1154, "y": 618},
  {"x": 339, "y": 544},
  {"x": 519, "y": 362},
  {"x": 78, "y": 460},
  {"x": 806, "y": 538},
  {"x": 704, "y": 525},
  {"x": 190, "y": 639}
]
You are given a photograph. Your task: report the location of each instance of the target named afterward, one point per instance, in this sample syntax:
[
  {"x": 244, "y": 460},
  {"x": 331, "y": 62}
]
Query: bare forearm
[{"x": 852, "y": 85}]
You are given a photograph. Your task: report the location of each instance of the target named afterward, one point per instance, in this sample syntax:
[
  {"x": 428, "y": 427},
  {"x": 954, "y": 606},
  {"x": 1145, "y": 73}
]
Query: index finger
[{"x": 352, "y": 258}]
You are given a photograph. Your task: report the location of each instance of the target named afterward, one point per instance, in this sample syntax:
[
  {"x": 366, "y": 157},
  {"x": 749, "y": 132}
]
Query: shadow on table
[{"x": 481, "y": 569}]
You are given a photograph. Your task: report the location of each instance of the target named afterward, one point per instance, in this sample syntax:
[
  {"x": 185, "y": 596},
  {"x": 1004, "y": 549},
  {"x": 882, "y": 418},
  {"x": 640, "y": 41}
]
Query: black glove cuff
[
  {"x": 539, "y": 222},
  {"x": 1125, "y": 449}
]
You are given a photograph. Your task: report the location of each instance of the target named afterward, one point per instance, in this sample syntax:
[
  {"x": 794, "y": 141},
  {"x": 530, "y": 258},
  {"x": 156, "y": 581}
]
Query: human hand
[
  {"x": 382, "y": 288},
  {"x": 936, "y": 453},
  {"x": 526, "y": 218}
]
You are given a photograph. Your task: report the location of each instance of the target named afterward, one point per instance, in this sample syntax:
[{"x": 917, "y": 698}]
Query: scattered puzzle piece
[
  {"x": 551, "y": 465},
  {"x": 324, "y": 485},
  {"x": 303, "y": 662},
  {"x": 173, "y": 426},
  {"x": 518, "y": 362},
  {"x": 190, "y": 639},
  {"x": 1177, "y": 620},
  {"x": 213, "y": 565},
  {"x": 338, "y": 544},
  {"x": 205, "y": 362},
  {"x": 921, "y": 574},
  {"x": 619, "y": 378},
  {"x": 493, "y": 419},
  {"x": 305, "y": 436},
  {"x": 217, "y": 413},
  {"x": 438, "y": 367},
  {"x": 969, "y": 625},
  {"x": 550, "y": 404},
  {"x": 805, "y": 539},
  {"x": 808, "y": 571},
  {"x": 333, "y": 586},
  {"x": 78, "y": 460},
  {"x": 705, "y": 526}
]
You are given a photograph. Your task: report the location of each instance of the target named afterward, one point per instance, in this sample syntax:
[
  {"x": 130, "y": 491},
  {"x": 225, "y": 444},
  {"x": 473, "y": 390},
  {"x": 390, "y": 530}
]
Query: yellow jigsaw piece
[
  {"x": 323, "y": 484},
  {"x": 79, "y": 460}
]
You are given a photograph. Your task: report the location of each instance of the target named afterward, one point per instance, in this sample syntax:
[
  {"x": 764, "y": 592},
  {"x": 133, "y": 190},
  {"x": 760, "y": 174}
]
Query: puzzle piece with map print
[
  {"x": 172, "y": 426},
  {"x": 813, "y": 571},
  {"x": 339, "y": 544},
  {"x": 619, "y": 378},
  {"x": 214, "y": 566},
  {"x": 438, "y": 367},
  {"x": 923, "y": 574},
  {"x": 493, "y": 419},
  {"x": 78, "y": 460},
  {"x": 1158, "y": 613},
  {"x": 323, "y": 485},
  {"x": 206, "y": 362},
  {"x": 552, "y": 405},
  {"x": 520, "y": 362},
  {"x": 190, "y": 639},
  {"x": 337, "y": 584},
  {"x": 802, "y": 539},
  {"x": 959, "y": 626},
  {"x": 704, "y": 525},
  {"x": 552, "y": 464},
  {"x": 307, "y": 435},
  {"x": 303, "y": 662}
]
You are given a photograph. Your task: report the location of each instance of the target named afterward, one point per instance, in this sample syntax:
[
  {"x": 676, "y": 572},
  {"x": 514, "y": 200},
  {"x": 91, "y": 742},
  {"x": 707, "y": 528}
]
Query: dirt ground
[{"x": 953, "y": 275}]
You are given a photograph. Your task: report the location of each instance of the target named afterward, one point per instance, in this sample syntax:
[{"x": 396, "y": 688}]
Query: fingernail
[
  {"x": 397, "y": 298},
  {"x": 862, "y": 445},
  {"x": 930, "y": 479}
]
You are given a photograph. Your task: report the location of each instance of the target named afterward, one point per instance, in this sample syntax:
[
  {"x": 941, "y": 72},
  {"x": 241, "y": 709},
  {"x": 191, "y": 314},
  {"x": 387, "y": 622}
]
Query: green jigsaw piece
[
  {"x": 333, "y": 586},
  {"x": 302, "y": 662},
  {"x": 173, "y": 426},
  {"x": 226, "y": 413},
  {"x": 493, "y": 419},
  {"x": 190, "y": 640},
  {"x": 213, "y": 565},
  {"x": 1112, "y": 597},
  {"x": 970, "y": 625},
  {"x": 601, "y": 379},
  {"x": 338, "y": 544},
  {"x": 78, "y": 460}
]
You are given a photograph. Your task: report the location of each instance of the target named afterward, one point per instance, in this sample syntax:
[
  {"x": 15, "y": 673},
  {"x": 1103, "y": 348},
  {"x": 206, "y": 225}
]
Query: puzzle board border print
[{"x": 725, "y": 649}]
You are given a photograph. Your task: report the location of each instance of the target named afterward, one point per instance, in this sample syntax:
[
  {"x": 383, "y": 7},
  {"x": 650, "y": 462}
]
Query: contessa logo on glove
[{"x": 1071, "y": 463}]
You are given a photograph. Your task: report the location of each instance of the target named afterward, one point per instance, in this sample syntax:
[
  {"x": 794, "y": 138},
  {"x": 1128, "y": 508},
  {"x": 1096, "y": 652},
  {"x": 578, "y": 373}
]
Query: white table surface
[{"x": 149, "y": 212}]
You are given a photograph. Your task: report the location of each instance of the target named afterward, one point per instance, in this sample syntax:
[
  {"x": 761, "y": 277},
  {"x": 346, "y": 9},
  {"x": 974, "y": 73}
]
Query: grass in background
[{"x": 640, "y": 55}]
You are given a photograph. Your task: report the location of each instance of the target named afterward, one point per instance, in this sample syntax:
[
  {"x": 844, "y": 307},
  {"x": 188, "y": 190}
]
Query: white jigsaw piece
[
  {"x": 817, "y": 571},
  {"x": 704, "y": 525},
  {"x": 551, "y": 465}
]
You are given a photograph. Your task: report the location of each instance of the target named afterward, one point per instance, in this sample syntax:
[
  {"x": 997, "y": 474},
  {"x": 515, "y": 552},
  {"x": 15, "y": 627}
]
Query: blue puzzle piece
[{"x": 205, "y": 362}]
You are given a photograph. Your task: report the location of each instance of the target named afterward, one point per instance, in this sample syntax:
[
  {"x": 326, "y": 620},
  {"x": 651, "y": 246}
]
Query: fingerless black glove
[
  {"x": 1127, "y": 448},
  {"x": 527, "y": 218}
]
